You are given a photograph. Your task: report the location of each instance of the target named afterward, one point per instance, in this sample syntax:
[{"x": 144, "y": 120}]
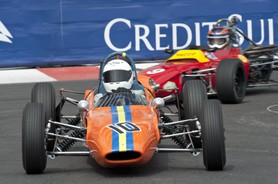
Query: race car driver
[
  {"x": 222, "y": 37},
  {"x": 119, "y": 76}
]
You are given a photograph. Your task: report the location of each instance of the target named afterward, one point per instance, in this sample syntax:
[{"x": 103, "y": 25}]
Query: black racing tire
[
  {"x": 214, "y": 154},
  {"x": 44, "y": 93},
  {"x": 194, "y": 96},
  {"x": 231, "y": 81},
  {"x": 33, "y": 138}
]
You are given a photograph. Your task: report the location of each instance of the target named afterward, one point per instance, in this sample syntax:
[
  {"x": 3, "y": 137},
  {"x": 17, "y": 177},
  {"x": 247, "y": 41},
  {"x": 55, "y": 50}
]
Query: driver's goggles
[{"x": 218, "y": 41}]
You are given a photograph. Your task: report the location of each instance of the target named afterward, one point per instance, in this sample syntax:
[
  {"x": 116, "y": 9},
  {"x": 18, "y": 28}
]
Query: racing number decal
[
  {"x": 154, "y": 71},
  {"x": 124, "y": 127}
]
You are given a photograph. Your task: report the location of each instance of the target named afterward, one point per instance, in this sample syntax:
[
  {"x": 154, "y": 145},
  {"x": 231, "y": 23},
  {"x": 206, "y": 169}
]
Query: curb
[{"x": 14, "y": 76}]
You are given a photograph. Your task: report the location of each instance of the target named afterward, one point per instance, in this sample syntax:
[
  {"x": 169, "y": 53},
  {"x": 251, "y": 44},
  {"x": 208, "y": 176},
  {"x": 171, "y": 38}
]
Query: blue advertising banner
[{"x": 49, "y": 33}]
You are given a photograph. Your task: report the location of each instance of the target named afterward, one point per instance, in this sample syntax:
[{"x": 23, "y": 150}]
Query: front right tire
[{"x": 214, "y": 154}]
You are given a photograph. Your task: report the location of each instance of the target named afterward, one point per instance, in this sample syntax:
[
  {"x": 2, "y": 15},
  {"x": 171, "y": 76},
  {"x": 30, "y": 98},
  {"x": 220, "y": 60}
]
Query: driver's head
[
  {"x": 117, "y": 73},
  {"x": 221, "y": 37}
]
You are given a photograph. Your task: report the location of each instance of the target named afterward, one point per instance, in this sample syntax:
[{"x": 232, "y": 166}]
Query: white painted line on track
[
  {"x": 270, "y": 107},
  {"x": 141, "y": 66},
  {"x": 23, "y": 76}
]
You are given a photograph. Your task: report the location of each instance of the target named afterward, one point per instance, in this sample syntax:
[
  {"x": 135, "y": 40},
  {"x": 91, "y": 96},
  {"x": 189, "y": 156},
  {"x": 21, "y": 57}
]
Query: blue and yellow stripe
[{"x": 121, "y": 142}]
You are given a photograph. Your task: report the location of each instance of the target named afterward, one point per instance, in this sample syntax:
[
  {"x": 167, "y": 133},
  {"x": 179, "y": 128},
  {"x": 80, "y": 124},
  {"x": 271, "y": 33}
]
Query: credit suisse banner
[{"x": 49, "y": 33}]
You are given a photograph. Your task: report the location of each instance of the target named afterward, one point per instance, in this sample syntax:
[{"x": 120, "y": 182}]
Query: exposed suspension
[
  {"x": 68, "y": 143},
  {"x": 74, "y": 121},
  {"x": 168, "y": 130}
]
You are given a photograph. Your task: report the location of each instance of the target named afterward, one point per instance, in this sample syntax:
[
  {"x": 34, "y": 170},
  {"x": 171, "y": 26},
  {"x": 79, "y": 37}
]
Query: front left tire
[
  {"x": 33, "y": 138},
  {"x": 231, "y": 81}
]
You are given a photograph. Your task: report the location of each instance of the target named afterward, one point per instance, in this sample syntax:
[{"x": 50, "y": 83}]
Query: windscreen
[{"x": 121, "y": 99}]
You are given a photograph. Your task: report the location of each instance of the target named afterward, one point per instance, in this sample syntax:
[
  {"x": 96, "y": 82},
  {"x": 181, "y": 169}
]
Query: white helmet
[{"x": 117, "y": 73}]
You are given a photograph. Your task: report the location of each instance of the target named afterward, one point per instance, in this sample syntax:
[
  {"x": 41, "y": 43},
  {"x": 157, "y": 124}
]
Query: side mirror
[
  {"x": 153, "y": 84},
  {"x": 158, "y": 103},
  {"x": 83, "y": 105},
  {"x": 169, "y": 51}
]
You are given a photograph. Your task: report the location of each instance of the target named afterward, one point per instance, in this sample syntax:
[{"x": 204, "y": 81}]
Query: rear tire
[
  {"x": 33, "y": 138},
  {"x": 194, "y": 96},
  {"x": 44, "y": 93},
  {"x": 214, "y": 154},
  {"x": 231, "y": 81}
]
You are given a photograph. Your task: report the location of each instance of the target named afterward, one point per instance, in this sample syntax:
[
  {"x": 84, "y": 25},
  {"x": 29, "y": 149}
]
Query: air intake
[{"x": 128, "y": 155}]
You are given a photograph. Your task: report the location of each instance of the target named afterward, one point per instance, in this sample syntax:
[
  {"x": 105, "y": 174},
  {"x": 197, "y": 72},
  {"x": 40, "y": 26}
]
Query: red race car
[
  {"x": 226, "y": 71},
  {"x": 123, "y": 127}
]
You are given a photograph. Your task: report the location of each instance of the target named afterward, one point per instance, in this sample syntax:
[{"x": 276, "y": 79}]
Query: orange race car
[{"x": 120, "y": 122}]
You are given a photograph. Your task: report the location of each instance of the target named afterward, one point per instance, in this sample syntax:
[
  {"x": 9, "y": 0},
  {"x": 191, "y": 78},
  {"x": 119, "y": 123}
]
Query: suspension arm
[
  {"x": 161, "y": 125},
  {"x": 178, "y": 134},
  {"x": 66, "y": 137},
  {"x": 67, "y": 125}
]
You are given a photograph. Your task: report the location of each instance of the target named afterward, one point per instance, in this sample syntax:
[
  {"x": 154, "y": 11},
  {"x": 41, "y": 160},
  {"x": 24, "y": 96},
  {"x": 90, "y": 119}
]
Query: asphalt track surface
[{"x": 251, "y": 147}]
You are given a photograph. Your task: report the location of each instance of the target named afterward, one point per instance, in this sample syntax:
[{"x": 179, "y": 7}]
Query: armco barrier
[{"x": 48, "y": 33}]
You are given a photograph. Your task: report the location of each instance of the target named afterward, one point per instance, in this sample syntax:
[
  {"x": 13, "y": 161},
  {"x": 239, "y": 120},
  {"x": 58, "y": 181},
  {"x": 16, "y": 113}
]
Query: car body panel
[
  {"x": 170, "y": 72},
  {"x": 103, "y": 140},
  {"x": 122, "y": 129}
]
